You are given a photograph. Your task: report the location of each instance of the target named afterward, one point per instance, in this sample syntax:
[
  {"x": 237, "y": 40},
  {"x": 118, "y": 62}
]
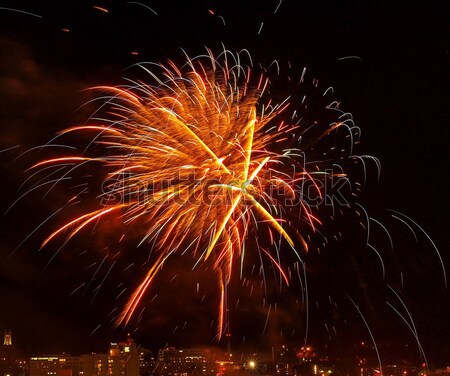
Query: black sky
[{"x": 387, "y": 62}]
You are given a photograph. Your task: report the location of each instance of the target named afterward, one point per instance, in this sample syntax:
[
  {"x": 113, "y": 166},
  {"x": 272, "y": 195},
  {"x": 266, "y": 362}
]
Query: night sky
[{"x": 388, "y": 64}]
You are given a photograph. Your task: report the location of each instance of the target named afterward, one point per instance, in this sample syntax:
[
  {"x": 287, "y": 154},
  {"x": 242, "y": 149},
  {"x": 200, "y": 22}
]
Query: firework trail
[{"x": 204, "y": 160}]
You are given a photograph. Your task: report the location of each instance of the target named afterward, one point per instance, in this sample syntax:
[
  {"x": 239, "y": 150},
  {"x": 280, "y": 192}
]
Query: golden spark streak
[{"x": 222, "y": 226}]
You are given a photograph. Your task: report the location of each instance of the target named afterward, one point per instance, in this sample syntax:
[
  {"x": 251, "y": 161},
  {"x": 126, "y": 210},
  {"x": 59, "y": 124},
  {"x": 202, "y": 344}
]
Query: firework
[{"x": 204, "y": 160}]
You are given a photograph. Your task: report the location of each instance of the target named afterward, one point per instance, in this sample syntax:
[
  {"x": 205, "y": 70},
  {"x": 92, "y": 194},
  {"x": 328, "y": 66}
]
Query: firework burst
[{"x": 204, "y": 160}]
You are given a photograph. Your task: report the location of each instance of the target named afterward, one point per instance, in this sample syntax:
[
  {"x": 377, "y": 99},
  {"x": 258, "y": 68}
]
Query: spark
[
  {"x": 276, "y": 9},
  {"x": 370, "y": 333},
  {"x": 97, "y": 328},
  {"x": 410, "y": 324},
  {"x": 101, "y": 9},
  {"x": 260, "y": 28},
  {"x": 143, "y": 5},
  {"x": 267, "y": 319},
  {"x": 350, "y": 57},
  {"x": 405, "y": 217},
  {"x": 381, "y": 259},
  {"x": 78, "y": 288},
  {"x": 21, "y": 11},
  {"x": 10, "y": 148}
]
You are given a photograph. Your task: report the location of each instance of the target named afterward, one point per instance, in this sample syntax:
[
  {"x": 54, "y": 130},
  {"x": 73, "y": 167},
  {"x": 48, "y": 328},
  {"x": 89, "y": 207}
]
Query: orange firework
[{"x": 202, "y": 162}]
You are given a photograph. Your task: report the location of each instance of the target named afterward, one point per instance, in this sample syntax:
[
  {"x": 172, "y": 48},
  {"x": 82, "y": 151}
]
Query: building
[
  {"x": 7, "y": 341},
  {"x": 147, "y": 362},
  {"x": 93, "y": 365},
  {"x": 67, "y": 365},
  {"x": 183, "y": 362},
  {"x": 12, "y": 362},
  {"x": 54, "y": 365},
  {"x": 123, "y": 359}
]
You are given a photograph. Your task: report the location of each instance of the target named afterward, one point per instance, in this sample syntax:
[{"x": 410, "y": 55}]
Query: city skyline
[{"x": 127, "y": 358}]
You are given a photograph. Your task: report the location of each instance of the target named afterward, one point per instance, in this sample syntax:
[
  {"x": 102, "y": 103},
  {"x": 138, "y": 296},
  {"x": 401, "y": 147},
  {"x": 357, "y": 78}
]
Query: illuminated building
[
  {"x": 7, "y": 341},
  {"x": 284, "y": 369},
  {"x": 56, "y": 365},
  {"x": 66, "y": 365},
  {"x": 11, "y": 361},
  {"x": 183, "y": 362},
  {"x": 147, "y": 362},
  {"x": 93, "y": 365},
  {"x": 123, "y": 359}
]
